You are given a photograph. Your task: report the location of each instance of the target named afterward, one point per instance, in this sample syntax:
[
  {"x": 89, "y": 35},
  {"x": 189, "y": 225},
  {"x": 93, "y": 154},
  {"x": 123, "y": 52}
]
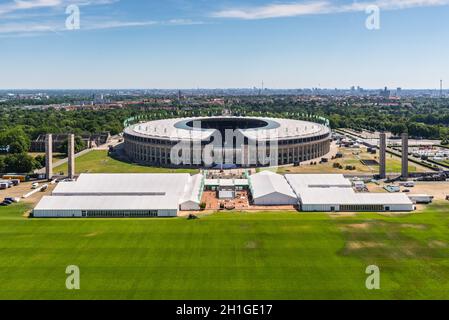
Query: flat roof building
[
  {"x": 123, "y": 195},
  {"x": 333, "y": 192},
  {"x": 163, "y": 195}
]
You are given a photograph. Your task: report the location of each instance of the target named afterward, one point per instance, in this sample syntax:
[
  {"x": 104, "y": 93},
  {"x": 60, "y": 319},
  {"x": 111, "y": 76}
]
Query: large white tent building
[
  {"x": 269, "y": 189},
  {"x": 123, "y": 195},
  {"x": 164, "y": 195},
  {"x": 324, "y": 193}
]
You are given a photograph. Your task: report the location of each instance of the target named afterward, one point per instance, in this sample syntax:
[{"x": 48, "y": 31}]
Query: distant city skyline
[{"x": 188, "y": 44}]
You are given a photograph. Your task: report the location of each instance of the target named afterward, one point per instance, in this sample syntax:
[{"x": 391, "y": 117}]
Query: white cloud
[
  {"x": 295, "y": 9},
  {"x": 22, "y": 5},
  {"x": 30, "y": 29},
  {"x": 19, "y": 19}
]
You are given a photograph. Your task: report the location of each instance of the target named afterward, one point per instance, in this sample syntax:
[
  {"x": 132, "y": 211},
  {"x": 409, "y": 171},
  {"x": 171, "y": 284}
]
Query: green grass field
[
  {"x": 232, "y": 256},
  {"x": 98, "y": 161}
]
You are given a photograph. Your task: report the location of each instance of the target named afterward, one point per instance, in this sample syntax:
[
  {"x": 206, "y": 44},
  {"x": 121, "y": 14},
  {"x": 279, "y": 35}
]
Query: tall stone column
[
  {"x": 49, "y": 156},
  {"x": 71, "y": 156},
  {"x": 405, "y": 156},
  {"x": 383, "y": 156}
]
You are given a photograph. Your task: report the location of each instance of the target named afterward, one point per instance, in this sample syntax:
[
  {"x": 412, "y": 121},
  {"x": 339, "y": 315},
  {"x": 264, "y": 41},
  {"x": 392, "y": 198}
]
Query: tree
[
  {"x": 19, "y": 163},
  {"x": 2, "y": 165},
  {"x": 16, "y": 139},
  {"x": 40, "y": 161},
  {"x": 80, "y": 145}
]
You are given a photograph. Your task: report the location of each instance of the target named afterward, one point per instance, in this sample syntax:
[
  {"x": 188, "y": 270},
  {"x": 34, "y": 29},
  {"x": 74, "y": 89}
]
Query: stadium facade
[{"x": 240, "y": 141}]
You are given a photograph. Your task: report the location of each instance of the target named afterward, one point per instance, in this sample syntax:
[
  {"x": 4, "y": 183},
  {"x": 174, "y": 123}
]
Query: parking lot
[{"x": 24, "y": 188}]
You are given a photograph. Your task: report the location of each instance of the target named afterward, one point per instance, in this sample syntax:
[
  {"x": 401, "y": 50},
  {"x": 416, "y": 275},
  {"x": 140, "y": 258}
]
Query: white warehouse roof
[
  {"x": 107, "y": 203},
  {"x": 347, "y": 196},
  {"x": 124, "y": 184},
  {"x": 124, "y": 192},
  {"x": 298, "y": 181},
  {"x": 267, "y": 183}
]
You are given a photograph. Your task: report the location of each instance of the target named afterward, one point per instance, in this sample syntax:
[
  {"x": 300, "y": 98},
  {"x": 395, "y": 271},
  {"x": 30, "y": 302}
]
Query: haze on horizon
[{"x": 223, "y": 44}]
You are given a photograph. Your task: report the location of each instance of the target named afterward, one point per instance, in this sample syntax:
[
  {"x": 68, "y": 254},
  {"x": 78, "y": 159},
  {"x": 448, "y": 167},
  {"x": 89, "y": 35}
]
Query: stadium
[{"x": 230, "y": 141}]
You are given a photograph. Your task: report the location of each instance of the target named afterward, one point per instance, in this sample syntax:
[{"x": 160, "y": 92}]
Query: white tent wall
[{"x": 275, "y": 199}]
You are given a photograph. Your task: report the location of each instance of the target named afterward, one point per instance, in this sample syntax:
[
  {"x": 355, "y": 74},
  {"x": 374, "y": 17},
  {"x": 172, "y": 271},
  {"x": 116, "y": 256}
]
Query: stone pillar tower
[
  {"x": 383, "y": 156},
  {"x": 48, "y": 156},
  {"x": 405, "y": 156},
  {"x": 71, "y": 156}
]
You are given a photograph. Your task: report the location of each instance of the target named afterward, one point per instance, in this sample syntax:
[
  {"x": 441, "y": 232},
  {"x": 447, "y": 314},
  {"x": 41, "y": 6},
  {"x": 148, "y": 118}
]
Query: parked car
[{"x": 15, "y": 182}]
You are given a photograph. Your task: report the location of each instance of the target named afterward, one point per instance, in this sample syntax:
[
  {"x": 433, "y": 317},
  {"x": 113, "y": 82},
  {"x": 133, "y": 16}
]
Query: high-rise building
[{"x": 385, "y": 93}]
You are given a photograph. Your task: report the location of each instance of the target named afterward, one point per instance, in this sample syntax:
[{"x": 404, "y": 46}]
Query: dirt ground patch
[
  {"x": 437, "y": 244},
  {"x": 91, "y": 235},
  {"x": 343, "y": 215},
  {"x": 439, "y": 190},
  {"x": 356, "y": 245},
  {"x": 414, "y": 226},
  {"x": 358, "y": 226},
  {"x": 251, "y": 245}
]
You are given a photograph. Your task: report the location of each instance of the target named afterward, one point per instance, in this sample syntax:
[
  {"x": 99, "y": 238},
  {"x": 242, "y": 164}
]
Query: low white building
[
  {"x": 269, "y": 189},
  {"x": 123, "y": 195},
  {"x": 333, "y": 192},
  {"x": 106, "y": 207},
  {"x": 347, "y": 200}
]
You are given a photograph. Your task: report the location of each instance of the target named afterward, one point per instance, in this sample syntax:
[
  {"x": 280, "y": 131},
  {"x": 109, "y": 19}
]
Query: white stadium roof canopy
[{"x": 175, "y": 129}]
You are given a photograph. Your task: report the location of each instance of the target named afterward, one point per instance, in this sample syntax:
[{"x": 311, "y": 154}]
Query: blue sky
[{"x": 223, "y": 44}]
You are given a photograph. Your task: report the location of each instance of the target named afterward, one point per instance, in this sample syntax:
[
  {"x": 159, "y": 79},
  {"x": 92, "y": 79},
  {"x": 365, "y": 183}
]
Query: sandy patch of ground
[
  {"x": 414, "y": 226},
  {"x": 91, "y": 235},
  {"x": 395, "y": 214},
  {"x": 356, "y": 245},
  {"x": 437, "y": 244},
  {"x": 437, "y": 189},
  {"x": 251, "y": 245},
  {"x": 358, "y": 226},
  {"x": 343, "y": 215}
]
